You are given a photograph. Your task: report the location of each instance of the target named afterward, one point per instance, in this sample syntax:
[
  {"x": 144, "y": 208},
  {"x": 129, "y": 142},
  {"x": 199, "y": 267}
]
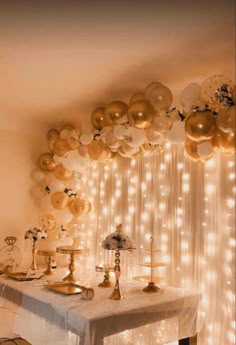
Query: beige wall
[{"x": 18, "y": 152}]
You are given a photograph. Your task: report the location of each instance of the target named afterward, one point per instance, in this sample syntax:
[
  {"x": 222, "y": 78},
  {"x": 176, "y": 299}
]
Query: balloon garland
[{"x": 205, "y": 123}]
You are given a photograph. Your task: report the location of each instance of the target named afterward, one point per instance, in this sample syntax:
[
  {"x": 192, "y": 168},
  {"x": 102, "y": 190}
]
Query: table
[{"x": 45, "y": 317}]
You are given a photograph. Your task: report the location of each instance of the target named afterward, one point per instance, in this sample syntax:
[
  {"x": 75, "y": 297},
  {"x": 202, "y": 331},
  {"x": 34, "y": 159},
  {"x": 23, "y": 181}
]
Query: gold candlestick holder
[
  {"x": 49, "y": 254},
  {"x": 33, "y": 266},
  {"x": 72, "y": 252},
  {"x": 106, "y": 283},
  {"x": 152, "y": 280},
  {"x": 116, "y": 292}
]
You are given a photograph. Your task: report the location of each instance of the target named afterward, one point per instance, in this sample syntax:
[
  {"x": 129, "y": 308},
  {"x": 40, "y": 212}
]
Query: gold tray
[
  {"x": 147, "y": 279},
  {"x": 153, "y": 264},
  {"x": 65, "y": 288},
  {"x": 22, "y": 276}
]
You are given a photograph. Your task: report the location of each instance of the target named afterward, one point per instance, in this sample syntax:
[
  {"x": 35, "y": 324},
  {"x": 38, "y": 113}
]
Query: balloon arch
[{"x": 145, "y": 126}]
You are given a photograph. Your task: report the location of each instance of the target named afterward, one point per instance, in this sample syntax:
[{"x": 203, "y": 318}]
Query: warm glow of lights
[
  {"x": 230, "y": 203},
  {"x": 210, "y": 188}
]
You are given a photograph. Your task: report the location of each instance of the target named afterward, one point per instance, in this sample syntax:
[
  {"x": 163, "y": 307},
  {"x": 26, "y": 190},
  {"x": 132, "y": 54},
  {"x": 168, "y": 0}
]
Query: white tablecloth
[{"x": 45, "y": 317}]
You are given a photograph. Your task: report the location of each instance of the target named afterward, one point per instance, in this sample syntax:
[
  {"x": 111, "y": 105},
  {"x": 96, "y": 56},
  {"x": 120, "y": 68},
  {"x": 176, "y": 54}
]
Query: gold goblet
[
  {"x": 49, "y": 254},
  {"x": 70, "y": 277},
  {"x": 106, "y": 281}
]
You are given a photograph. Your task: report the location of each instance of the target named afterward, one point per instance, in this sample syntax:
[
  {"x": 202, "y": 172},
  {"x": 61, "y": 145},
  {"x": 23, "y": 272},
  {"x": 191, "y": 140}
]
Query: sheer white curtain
[{"x": 189, "y": 209}]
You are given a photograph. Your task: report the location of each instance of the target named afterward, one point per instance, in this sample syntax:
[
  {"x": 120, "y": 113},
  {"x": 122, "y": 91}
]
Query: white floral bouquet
[
  {"x": 118, "y": 240},
  {"x": 36, "y": 234}
]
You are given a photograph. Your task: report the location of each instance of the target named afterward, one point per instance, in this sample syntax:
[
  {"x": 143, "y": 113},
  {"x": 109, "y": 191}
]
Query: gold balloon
[
  {"x": 200, "y": 126},
  {"x": 60, "y": 147},
  {"x": 98, "y": 151},
  {"x": 53, "y": 134},
  {"x": 79, "y": 206},
  {"x": 149, "y": 149},
  {"x": 159, "y": 96},
  {"x": 192, "y": 150},
  {"x": 140, "y": 114},
  {"x": 46, "y": 162},
  {"x": 68, "y": 126},
  {"x": 225, "y": 120},
  {"x": 115, "y": 111},
  {"x": 215, "y": 90},
  {"x": 73, "y": 139},
  {"x": 61, "y": 173},
  {"x": 47, "y": 221},
  {"x": 59, "y": 200},
  {"x": 226, "y": 142},
  {"x": 138, "y": 96},
  {"x": 99, "y": 118}
]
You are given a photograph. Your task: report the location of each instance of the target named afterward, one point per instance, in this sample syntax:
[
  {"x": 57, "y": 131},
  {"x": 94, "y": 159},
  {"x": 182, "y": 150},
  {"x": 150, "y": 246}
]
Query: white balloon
[
  {"x": 86, "y": 138},
  {"x": 137, "y": 137},
  {"x": 57, "y": 159},
  {"x": 161, "y": 123},
  {"x": 121, "y": 132},
  {"x": 110, "y": 139},
  {"x": 104, "y": 131},
  {"x": 205, "y": 149},
  {"x": 190, "y": 95},
  {"x": 49, "y": 178},
  {"x": 154, "y": 137},
  {"x": 38, "y": 176},
  {"x": 177, "y": 132},
  {"x": 56, "y": 186}
]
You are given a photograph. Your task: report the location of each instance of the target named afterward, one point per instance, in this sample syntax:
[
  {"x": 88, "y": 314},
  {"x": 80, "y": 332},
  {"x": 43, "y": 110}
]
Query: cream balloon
[
  {"x": 86, "y": 138},
  {"x": 161, "y": 123},
  {"x": 56, "y": 186},
  {"x": 190, "y": 96},
  {"x": 177, "y": 132},
  {"x": 137, "y": 137},
  {"x": 159, "y": 96},
  {"x": 154, "y": 137},
  {"x": 121, "y": 132},
  {"x": 38, "y": 176}
]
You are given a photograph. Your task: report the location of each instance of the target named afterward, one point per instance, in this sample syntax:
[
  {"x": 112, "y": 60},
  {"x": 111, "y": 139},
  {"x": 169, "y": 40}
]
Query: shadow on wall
[{"x": 194, "y": 60}]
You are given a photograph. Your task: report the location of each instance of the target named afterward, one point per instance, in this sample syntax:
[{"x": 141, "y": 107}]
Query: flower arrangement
[
  {"x": 118, "y": 240},
  {"x": 36, "y": 234}
]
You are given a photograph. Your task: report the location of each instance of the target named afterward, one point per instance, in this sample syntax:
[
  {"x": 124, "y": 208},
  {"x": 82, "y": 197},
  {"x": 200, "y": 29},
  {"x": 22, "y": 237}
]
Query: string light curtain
[{"x": 189, "y": 210}]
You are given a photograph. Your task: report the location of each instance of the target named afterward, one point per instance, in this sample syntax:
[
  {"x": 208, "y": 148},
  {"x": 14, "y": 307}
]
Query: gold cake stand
[
  {"x": 106, "y": 281},
  {"x": 49, "y": 254},
  {"x": 72, "y": 252},
  {"x": 152, "y": 280}
]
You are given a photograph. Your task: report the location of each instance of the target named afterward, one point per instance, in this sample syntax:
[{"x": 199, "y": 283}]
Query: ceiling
[{"x": 61, "y": 59}]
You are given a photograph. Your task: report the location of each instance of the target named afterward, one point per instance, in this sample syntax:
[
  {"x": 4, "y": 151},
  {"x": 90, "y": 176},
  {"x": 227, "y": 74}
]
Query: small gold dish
[{"x": 68, "y": 288}]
